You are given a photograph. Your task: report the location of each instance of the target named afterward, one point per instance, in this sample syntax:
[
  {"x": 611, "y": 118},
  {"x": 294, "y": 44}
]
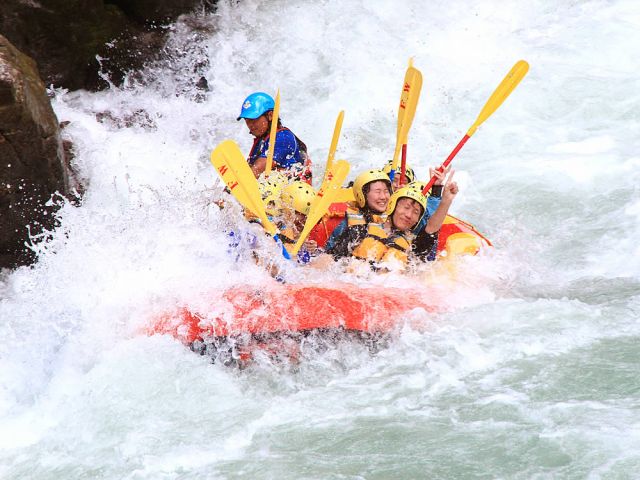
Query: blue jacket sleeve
[{"x": 432, "y": 204}]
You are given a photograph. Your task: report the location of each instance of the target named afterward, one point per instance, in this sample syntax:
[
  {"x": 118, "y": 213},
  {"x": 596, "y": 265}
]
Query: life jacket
[
  {"x": 328, "y": 223},
  {"x": 352, "y": 230},
  {"x": 379, "y": 246},
  {"x": 300, "y": 170},
  {"x": 356, "y": 217}
]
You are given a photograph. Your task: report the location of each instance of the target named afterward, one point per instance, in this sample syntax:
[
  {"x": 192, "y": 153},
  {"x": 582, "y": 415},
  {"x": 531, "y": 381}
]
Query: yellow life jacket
[
  {"x": 356, "y": 217},
  {"x": 379, "y": 246}
]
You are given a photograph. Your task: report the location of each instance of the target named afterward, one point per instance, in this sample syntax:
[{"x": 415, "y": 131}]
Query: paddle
[
  {"x": 403, "y": 164},
  {"x": 237, "y": 175},
  {"x": 406, "y": 110},
  {"x": 403, "y": 161},
  {"x": 508, "y": 85},
  {"x": 407, "y": 80},
  {"x": 272, "y": 135},
  {"x": 334, "y": 142},
  {"x": 326, "y": 194}
]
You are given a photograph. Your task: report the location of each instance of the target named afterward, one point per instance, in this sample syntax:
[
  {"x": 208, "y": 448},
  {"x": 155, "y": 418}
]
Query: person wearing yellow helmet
[
  {"x": 407, "y": 215},
  {"x": 372, "y": 191},
  {"x": 295, "y": 202},
  {"x": 410, "y": 175},
  {"x": 271, "y": 189},
  {"x": 406, "y": 207},
  {"x": 393, "y": 240}
]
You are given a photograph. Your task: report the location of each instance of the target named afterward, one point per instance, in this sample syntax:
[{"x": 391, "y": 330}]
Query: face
[
  {"x": 294, "y": 219},
  {"x": 406, "y": 214},
  {"x": 299, "y": 221},
  {"x": 258, "y": 126},
  {"x": 378, "y": 196}
]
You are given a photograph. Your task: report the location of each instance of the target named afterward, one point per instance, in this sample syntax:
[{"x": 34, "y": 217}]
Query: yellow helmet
[
  {"x": 298, "y": 195},
  {"x": 363, "y": 179},
  {"x": 273, "y": 202},
  {"x": 275, "y": 181},
  {"x": 417, "y": 185},
  {"x": 407, "y": 192},
  {"x": 271, "y": 189},
  {"x": 409, "y": 173}
]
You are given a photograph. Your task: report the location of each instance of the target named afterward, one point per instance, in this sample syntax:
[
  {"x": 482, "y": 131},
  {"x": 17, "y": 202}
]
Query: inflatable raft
[
  {"x": 458, "y": 237},
  {"x": 275, "y": 317},
  {"x": 237, "y": 322}
]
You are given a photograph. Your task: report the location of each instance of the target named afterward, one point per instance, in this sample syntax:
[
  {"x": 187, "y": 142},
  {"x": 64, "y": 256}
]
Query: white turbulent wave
[{"x": 531, "y": 370}]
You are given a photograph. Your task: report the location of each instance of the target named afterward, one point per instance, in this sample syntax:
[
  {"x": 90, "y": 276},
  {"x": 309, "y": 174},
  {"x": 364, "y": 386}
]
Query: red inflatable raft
[
  {"x": 245, "y": 317},
  {"x": 277, "y": 308},
  {"x": 274, "y": 318}
]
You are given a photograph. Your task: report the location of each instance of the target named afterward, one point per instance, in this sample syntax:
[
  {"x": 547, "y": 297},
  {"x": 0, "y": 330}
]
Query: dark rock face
[
  {"x": 32, "y": 164},
  {"x": 65, "y": 36},
  {"x": 76, "y": 44},
  {"x": 155, "y": 11}
]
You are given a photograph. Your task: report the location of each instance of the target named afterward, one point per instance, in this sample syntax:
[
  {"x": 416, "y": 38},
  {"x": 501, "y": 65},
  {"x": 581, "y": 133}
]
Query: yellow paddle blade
[
  {"x": 345, "y": 194},
  {"x": 407, "y": 109},
  {"x": 237, "y": 175},
  {"x": 408, "y": 81},
  {"x": 508, "y": 85},
  {"x": 412, "y": 97},
  {"x": 272, "y": 134},
  {"x": 326, "y": 195},
  {"x": 334, "y": 141}
]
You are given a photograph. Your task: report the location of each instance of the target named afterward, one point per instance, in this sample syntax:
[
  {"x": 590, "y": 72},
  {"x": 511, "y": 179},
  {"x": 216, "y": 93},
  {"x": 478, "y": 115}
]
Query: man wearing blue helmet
[{"x": 289, "y": 154}]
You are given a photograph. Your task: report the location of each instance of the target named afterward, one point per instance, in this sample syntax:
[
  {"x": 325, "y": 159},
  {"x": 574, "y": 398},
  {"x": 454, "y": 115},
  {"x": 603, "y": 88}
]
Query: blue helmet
[{"x": 256, "y": 104}]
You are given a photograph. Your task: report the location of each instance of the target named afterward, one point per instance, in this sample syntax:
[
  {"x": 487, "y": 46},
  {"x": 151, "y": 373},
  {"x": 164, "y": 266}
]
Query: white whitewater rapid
[{"x": 531, "y": 371}]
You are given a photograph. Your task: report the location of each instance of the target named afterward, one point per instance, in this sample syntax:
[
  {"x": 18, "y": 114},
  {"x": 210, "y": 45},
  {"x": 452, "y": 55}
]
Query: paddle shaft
[
  {"x": 334, "y": 141},
  {"x": 446, "y": 163},
  {"x": 403, "y": 164},
  {"x": 272, "y": 135},
  {"x": 499, "y": 95}
]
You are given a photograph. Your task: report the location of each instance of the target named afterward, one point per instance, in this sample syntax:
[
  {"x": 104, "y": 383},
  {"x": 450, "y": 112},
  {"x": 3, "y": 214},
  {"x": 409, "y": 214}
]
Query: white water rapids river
[{"x": 531, "y": 370}]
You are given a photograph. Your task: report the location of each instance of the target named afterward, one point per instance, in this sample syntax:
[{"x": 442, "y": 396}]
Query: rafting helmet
[
  {"x": 364, "y": 179},
  {"x": 299, "y": 195},
  {"x": 256, "y": 104},
  {"x": 407, "y": 192},
  {"x": 408, "y": 173},
  {"x": 271, "y": 190},
  {"x": 275, "y": 180},
  {"x": 417, "y": 185}
]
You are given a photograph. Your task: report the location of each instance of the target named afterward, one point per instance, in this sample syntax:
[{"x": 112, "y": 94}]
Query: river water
[{"x": 530, "y": 369}]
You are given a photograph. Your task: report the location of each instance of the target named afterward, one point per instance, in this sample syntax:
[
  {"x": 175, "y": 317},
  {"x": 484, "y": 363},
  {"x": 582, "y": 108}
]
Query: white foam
[{"x": 551, "y": 178}]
